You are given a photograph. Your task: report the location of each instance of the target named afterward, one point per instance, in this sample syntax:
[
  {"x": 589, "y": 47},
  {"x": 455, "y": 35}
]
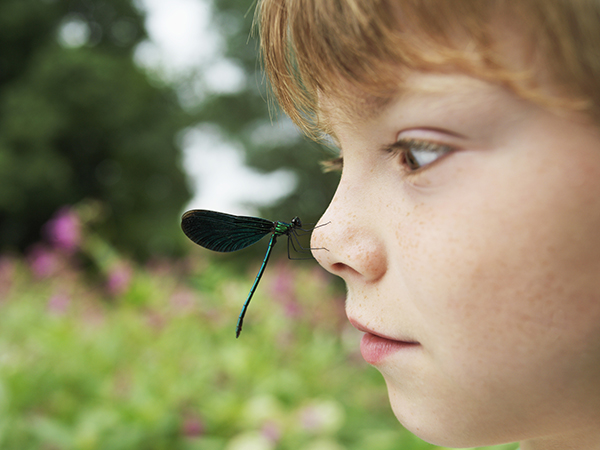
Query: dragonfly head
[{"x": 296, "y": 222}]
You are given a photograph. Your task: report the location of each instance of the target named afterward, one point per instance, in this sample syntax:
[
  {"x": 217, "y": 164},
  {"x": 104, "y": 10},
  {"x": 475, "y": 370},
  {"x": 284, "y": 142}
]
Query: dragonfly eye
[{"x": 296, "y": 222}]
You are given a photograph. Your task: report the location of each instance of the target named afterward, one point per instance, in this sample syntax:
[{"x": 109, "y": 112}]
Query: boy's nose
[{"x": 348, "y": 244}]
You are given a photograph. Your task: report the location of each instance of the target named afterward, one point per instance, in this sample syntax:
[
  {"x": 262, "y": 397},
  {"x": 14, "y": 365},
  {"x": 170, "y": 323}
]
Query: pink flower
[
  {"x": 192, "y": 427},
  {"x": 63, "y": 230},
  {"x": 182, "y": 300},
  {"x": 271, "y": 431},
  {"x": 43, "y": 261},
  {"x": 119, "y": 279},
  {"x": 322, "y": 416},
  {"x": 283, "y": 284},
  {"x": 58, "y": 303},
  {"x": 156, "y": 320},
  {"x": 7, "y": 272},
  {"x": 283, "y": 290}
]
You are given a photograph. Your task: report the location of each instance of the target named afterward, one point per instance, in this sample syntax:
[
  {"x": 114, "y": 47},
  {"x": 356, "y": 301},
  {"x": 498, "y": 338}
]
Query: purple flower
[{"x": 63, "y": 230}]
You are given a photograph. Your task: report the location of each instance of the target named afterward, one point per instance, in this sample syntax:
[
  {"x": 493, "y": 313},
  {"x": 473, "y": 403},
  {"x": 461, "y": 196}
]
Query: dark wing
[{"x": 224, "y": 232}]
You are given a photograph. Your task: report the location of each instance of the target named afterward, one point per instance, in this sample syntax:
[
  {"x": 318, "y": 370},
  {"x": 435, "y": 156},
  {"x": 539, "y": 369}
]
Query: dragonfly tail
[{"x": 240, "y": 322}]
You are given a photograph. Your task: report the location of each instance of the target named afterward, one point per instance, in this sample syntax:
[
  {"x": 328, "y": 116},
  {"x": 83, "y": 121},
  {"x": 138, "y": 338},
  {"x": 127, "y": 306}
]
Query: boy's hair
[{"x": 358, "y": 51}]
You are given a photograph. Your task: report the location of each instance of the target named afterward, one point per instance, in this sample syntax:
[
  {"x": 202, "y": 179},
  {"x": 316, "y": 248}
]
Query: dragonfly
[{"x": 223, "y": 232}]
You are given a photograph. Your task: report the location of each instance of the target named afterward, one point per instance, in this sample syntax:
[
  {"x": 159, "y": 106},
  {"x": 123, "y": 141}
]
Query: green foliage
[
  {"x": 83, "y": 122},
  {"x": 268, "y": 137}
]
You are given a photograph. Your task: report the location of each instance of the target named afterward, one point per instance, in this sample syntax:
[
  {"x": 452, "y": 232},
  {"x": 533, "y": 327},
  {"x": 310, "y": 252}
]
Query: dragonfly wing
[{"x": 224, "y": 232}]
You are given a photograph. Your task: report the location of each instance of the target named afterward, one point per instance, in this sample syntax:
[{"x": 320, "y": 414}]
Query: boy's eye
[
  {"x": 417, "y": 154},
  {"x": 414, "y": 153}
]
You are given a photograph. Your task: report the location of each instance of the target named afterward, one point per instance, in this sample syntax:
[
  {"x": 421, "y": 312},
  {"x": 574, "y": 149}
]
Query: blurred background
[{"x": 116, "y": 332}]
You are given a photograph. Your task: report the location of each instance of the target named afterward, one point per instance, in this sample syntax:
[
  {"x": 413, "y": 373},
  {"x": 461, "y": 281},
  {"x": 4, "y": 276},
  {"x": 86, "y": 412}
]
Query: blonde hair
[{"x": 357, "y": 51}]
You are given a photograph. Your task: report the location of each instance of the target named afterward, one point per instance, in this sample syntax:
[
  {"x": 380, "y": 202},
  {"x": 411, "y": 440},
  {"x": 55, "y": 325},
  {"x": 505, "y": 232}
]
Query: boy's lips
[{"x": 375, "y": 347}]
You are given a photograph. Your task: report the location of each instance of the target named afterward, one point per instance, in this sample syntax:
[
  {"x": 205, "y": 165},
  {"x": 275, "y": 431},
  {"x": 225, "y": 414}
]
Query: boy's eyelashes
[
  {"x": 333, "y": 165},
  {"x": 417, "y": 154}
]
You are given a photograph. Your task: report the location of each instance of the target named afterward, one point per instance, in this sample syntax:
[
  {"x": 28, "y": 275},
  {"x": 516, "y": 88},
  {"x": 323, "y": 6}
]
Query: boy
[{"x": 467, "y": 220}]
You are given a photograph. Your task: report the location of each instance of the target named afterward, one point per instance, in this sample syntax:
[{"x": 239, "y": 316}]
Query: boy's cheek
[
  {"x": 505, "y": 258},
  {"x": 502, "y": 332}
]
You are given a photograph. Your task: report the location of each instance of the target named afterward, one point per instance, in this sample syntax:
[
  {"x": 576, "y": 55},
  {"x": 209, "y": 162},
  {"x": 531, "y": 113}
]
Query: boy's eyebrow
[
  {"x": 456, "y": 89},
  {"x": 365, "y": 106},
  {"x": 372, "y": 106}
]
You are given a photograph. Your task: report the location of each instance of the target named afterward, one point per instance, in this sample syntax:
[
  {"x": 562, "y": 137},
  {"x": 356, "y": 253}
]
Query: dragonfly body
[{"x": 228, "y": 233}]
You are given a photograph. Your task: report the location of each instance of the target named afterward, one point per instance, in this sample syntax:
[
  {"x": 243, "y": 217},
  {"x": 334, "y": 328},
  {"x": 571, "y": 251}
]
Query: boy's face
[{"x": 477, "y": 244}]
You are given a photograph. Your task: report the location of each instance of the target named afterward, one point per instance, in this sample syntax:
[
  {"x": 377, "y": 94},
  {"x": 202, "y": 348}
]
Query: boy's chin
[{"x": 444, "y": 425}]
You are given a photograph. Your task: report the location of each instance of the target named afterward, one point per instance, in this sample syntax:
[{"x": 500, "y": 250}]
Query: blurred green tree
[
  {"x": 79, "y": 120},
  {"x": 269, "y": 138}
]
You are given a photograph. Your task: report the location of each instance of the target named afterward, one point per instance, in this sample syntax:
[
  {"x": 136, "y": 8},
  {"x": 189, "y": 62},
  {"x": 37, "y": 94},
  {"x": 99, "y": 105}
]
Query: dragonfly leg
[
  {"x": 314, "y": 228},
  {"x": 303, "y": 249},
  {"x": 293, "y": 237}
]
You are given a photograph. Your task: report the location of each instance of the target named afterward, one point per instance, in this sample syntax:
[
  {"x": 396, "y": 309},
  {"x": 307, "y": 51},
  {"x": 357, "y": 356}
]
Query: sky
[{"x": 183, "y": 42}]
